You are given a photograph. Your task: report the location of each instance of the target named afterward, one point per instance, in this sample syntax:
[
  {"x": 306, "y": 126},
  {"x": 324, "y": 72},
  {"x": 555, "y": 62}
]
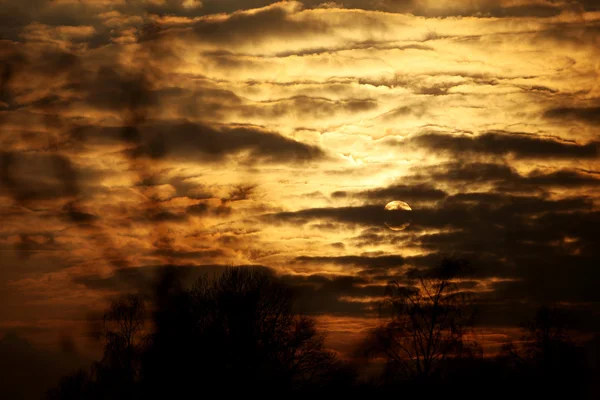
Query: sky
[{"x": 192, "y": 135}]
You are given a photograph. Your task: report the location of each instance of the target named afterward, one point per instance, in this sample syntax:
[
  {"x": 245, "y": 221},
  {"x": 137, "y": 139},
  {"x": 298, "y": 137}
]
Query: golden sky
[{"x": 138, "y": 135}]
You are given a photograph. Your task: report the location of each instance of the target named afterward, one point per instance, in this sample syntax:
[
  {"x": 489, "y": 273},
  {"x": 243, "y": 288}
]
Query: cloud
[
  {"x": 503, "y": 144},
  {"x": 364, "y": 215},
  {"x": 31, "y": 72},
  {"x": 315, "y": 293},
  {"x": 417, "y": 192},
  {"x": 482, "y": 8},
  {"x": 335, "y": 294},
  {"x": 367, "y": 262},
  {"x": 161, "y": 133},
  {"x": 28, "y": 177},
  {"x": 200, "y": 143},
  {"x": 560, "y": 178},
  {"x": 144, "y": 278},
  {"x": 505, "y": 178},
  {"x": 589, "y": 115},
  {"x": 258, "y": 25},
  {"x": 462, "y": 210},
  {"x": 194, "y": 142},
  {"x": 206, "y": 209},
  {"x": 522, "y": 238}
]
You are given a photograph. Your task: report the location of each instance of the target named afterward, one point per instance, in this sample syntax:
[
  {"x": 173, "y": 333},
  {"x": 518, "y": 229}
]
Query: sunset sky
[{"x": 140, "y": 134}]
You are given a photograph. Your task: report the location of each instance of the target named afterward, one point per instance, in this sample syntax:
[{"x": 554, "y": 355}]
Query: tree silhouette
[
  {"x": 427, "y": 323},
  {"x": 238, "y": 327},
  {"x": 236, "y": 333},
  {"x": 123, "y": 332},
  {"x": 124, "y": 339},
  {"x": 546, "y": 340},
  {"x": 116, "y": 374},
  {"x": 548, "y": 358},
  {"x": 75, "y": 386}
]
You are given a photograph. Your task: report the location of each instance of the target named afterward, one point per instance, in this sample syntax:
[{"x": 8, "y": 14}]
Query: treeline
[{"x": 239, "y": 334}]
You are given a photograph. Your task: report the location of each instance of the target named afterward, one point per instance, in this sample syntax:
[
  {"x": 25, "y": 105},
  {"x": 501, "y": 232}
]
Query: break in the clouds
[{"x": 148, "y": 136}]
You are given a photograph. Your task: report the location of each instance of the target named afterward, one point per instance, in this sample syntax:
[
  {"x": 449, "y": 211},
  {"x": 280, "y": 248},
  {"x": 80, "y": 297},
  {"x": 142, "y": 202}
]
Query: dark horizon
[{"x": 240, "y": 333}]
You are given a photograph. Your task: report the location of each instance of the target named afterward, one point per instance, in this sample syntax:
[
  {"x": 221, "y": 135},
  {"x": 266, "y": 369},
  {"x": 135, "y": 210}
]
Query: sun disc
[{"x": 397, "y": 220}]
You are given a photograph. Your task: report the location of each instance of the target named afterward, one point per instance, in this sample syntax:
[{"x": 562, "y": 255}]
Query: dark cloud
[
  {"x": 190, "y": 255},
  {"x": 504, "y": 143},
  {"x": 315, "y": 294},
  {"x": 79, "y": 217},
  {"x": 504, "y": 177},
  {"x": 562, "y": 178},
  {"x": 458, "y": 211},
  {"x": 367, "y": 262},
  {"x": 194, "y": 142},
  {"x": 204, "y": 209},
  {"x": 363, "y": 215},
  {"x": 363, "y": 45},
  {"x": 48, "y": 66},
  {"x": 539, "y": 241},
  {"x": 526, "y": 10},
  {"x": 481, "y": 8},
  {"x": 202, "y": 143},
  {"x": 144, "y": 278},
  {"x": 114, "y": 88},
  {"x": 258, "y": 26},
  {"x": 305, "y": 106},
  {"x": 334, "y": 294},
  {"x": 588, "y": 5},
  {"x": 474, "y": 172},
  {"x": 417, "y": 192},
  {"x": 17, "y": 16},
  {"x": 158, "y": 215},
  {"x": 590, "y": 115},
  {"x": 37, "y": 176},
  {"x": 538, "y": 250},
  {"x": 479, "y": 264}
]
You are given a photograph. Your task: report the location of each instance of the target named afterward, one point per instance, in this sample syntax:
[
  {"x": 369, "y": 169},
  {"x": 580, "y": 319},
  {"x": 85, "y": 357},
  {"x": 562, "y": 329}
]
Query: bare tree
[
  {"x": 552, "y": 363},
  {"x": 239, "y": 326},
  {"x": 305, "y": 356},
  {"x": 123, "y": 331},
  {"x": 427, "y": 322},
  {"x": 546, "y": 344},
  {"x": 116, "y": 375}
]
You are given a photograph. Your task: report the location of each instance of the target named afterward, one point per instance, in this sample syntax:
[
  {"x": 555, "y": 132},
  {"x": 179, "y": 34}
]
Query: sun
[
  {"x": 397, "y": 205},
  {"x": 397, "y": 218}
]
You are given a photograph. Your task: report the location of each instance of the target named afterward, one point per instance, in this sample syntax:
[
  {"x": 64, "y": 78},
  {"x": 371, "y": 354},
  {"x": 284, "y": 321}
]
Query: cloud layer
[{"x": 189, "y": 135}]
